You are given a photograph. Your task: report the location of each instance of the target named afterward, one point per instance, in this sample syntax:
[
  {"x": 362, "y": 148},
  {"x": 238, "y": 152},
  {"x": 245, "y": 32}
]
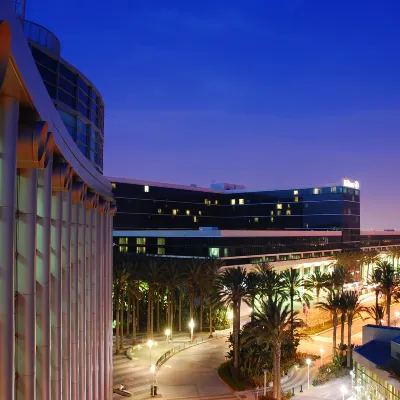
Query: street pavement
[{"x": 329, "y": 391}]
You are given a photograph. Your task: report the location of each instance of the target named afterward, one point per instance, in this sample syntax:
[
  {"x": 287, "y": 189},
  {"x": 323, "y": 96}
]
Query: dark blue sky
[{"x": 264, "y": 93}]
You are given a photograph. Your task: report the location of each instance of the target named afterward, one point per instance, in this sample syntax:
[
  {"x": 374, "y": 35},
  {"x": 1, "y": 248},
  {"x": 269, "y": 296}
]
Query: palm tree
[
  {"x": 370, "y": 258},
  {"x": 253, "y": 282},
  {"x": 394, "y": 252},
  {"x": 375, "y": 280},
  {"x": 331, "y": 304},
  {"x": 343, "y": 312},
  {"x": 354, "y": 308},
  {"x": 172, "y": 279},
  {"x": 193, "y": 276},
  {"x": 292, "y": 286},
  {"x": 270, "y": 282},
  {"x": 153, "y": 277},
  {"x": 340, "y": 275},
  {"x": 388, "y": 284},
  {"x": 317, "y": 281},
  {"x": 377, "y": 313},
  {"x": 231, "y": 288},
  {"x": 273, "y": 321},
  {"x": 134, "y": 293}
]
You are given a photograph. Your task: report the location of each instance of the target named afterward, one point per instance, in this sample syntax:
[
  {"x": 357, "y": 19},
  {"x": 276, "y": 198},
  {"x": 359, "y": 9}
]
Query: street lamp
[
  {"x": 308, "y": 361},
  {"x": 230, "y": 317},
  {"x": 343, "y": 390},
  {"x": 191, "y": 326},
  {"x": 265, "y": 381},
  {"x": 382, "y": 321},
  {"x": 150, "y": 344},
  {"x": 167, "y": 333},
  {"x": 321, "y": 350},
  {"x": 153, "y": 370}
]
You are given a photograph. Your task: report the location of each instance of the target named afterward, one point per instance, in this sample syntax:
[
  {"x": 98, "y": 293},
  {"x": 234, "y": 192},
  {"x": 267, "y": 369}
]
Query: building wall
[{"x": 56, "y": 243}]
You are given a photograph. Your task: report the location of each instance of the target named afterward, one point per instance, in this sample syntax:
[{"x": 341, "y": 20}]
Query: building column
[
  {"x": 43, "y": 229},
  {"x": 82, "y": 302},
  {"x": 88, "y": 293},
  {"x": 95, "y": 303},
  {"x": 66, "y": 294},
  {"x": 107, "y": 320},
  {"x": 9, "y": 113},
  {"x": 55, "y": 295},
  {"x": 101, "y": 298},
  {"x": 109, "y": 296},
  {"x": 25, "y": 277},
  {"x": 74, "y": 301}
]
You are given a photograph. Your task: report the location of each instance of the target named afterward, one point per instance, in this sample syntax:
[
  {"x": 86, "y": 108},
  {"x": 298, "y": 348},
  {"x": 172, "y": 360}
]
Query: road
[
  {"x": 329, "y": 391},
  {"x": 193, "y": 372}
]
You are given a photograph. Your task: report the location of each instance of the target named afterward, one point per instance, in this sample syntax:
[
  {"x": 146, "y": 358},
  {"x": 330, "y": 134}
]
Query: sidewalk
[{"x": 135, "y": 373}]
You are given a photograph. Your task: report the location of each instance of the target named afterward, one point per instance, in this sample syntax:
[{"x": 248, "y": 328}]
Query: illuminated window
[
  {"x": 288, "y": 212},
  {"x": 233, "y": 202},
  {"x": 161, "y": 251},
  {"x": 295, "y": 192},
  {"x": 213, "y": 251},
  {"x": 160, "y": 241},
  {"x": 114, "y": 185},
  {"x": 226, "y": 252},
  {"x": 160, "y": 210},
  {"x": 278, "y": 212},
  {"x": 205, "y": 201},
  {"x": 200, "y": 213},
  {"x": 146, "y": 188},
  {"x": 288, "y": 206},
  {"x": 272, "y": 219},
  {"x": 194, "y": 219},
  {"x": 241, "y": 201},
  {"x": 141, "y": 250},
  {"x": 122, "y": 240},
  {"x": 187, "y": 212},
  {"x": 256, "y": 219},
  {"x": 333, "y": 189},
  {"x": 279, "y": 206},
  {"x": 272, "y": 212},
  {"x": 141, "y": 241},
  {"x": 123, "y": 249},
  {"x": 216, "y": 201},
  {"x": 316, "y": 191},
  {"x": 305, "y": 225},
  {"x": 174, "y": 211},
  {"x": 296, "y": 199}
]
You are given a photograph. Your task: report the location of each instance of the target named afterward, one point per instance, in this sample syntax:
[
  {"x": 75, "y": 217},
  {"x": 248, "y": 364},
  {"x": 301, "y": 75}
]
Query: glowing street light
[
  {"x": 343, "y": 390},
  {"x": 191, "y": 326},
  {"x": 150, "y": 343},
  {"x": 321, "y": 350},
  {"x": 230, "y": 317},
  {"x": 167, "y": 333},
  {"x": 308, "y": 361}
]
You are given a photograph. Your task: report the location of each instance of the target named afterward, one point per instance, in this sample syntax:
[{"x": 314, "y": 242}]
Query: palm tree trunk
[
  {"x": 291, "y": 316},
  {"x": 349, "y": 325},
  {"x": 236, "y": 340},
  {"x": 342, "y": 322},
  {"x": 133, "y": 321},
  {"x": 127, "y": 317},
  {"x": 191, "y": 306},
  {"x": 335, "y": 324},
  {"x": 152, "y": 315},
  {"x": 158, "y": 312},
  {"x": 388, "y": 300},
  {"x": 180, "y": 311},
  {"x": 138, "y": 316},
  {"x": 117, "y": 338},
  {"x": 201, "y": 311},
  {"x": 253, "y": 302},
  {"x": 376, "y": 307},
  {"x": 148, "y": 312},
  {"x": 211, "y": 332},
  {"x": 121, "y": 327},
  {"x": 277, "y": 351}
]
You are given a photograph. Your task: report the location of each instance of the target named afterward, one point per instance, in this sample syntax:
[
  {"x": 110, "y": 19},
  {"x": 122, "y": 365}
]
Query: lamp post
[
  {"x": 167, "y": 333},
  {"x": 230, "y": 317},
  {"x": 321, "y": 350},
  {"x": 265, "y": 381},
  {"x": 308, "y": 361},
  {"x": 343, "y": 390},
  {"x": 150, "y": 344},
  {"x": 153, "y": 370},
  {"x": 191, "y": 326}
]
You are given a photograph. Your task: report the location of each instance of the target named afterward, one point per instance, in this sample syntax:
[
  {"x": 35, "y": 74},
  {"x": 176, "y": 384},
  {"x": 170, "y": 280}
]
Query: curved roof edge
[{"x": 37, "y": 95}]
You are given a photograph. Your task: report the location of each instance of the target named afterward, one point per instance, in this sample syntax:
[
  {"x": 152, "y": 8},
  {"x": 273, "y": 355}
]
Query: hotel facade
[{"x": 56, "y": 213}]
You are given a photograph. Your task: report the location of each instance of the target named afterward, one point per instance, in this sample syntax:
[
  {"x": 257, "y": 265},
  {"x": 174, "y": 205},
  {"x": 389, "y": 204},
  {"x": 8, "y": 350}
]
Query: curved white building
[{"x": 55, "y": 242}]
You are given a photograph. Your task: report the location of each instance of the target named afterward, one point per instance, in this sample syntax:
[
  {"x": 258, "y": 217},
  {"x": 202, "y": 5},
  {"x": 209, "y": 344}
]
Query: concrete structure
[
  {"x": 55, "y": 243},
  {"x": 377, "y": 365}
]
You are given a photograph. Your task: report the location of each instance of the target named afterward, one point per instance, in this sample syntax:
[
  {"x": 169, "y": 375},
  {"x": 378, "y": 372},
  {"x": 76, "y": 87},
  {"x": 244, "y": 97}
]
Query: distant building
[{"x": 376, "y": 364}]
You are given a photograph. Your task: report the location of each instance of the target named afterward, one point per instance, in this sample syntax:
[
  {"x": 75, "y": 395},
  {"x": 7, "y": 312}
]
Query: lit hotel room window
[
  {"x": 174, "y": 211},
  {"x": 216, "y": 201},
  {"x": 200, "y": 213},
  {"x": 295, "y": 192},
  {"x": 160, "y": 241},
  {"x": 123, "y": 240},
  {"x": 256, "y": 219},
  {"x": 316, "y": 191},
  {"x": 194, "y": 219},
  {"x": 278, "y": 212},
  {"x": 241, "y": 201},
  {"x": 233, "y": 202},
  {"x": 279, "y": 206},
  {"x": 213, "y": 251},
  {"x": 333, "y": 189},
  {"x": 272, "y": 212},
  {"x": 205, "y": 201},
  {"x": 187, "y": 212},
  {"x": 123, "y": 249},
  {"x": 272, "y": 219},
  {"x": 288, "y": 212},
  {"x": 141, "y": 241},
  {"x": 160, "y": 210},
  {"x": 161, "y": 251},
  {"x": 141, "y": 250},
  {"x": 296, "y": 199},
  {"x": 146, "y": 188},
  {"x": 114, "y": 185}
]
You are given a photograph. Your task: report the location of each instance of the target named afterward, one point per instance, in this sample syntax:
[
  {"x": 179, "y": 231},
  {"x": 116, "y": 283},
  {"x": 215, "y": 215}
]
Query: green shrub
[
  {"x": 224, "y": 372},
  {"x": 313, "y": 330}
]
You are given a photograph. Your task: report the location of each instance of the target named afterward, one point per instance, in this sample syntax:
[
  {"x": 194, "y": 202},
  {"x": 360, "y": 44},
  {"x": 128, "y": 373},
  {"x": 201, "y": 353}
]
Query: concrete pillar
[
  {"x": 43, "y": 229},
  {"x": 107, "y": 318},
  {"x": 109, "y": 296},
  {"x": 9, "y": 112},
  {"x": 88, "y": 293},
  {"x": 25, "y": 279},
  {"x": 95, "y": 303},
  {"x": 101, "y": 300},
  {"x": 74, "y": 301},
  {"x": 82, "y": 302},
  {"x": 66, "y": 294},
  {"x": 55, "y": 295}
]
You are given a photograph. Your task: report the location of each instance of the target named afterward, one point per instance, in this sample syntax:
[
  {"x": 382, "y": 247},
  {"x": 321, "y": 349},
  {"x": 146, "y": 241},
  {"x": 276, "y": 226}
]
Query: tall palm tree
[
  {"x": 154, "y": 277},
  {"x": 375, "y": 280},
  {"x": 134, "y": 293},
  {"x": 331, "y": 304},
  {"x": 231, "y": 288},
  {"x": 343, "y": 313},
  {"x": 270, "y": 282},
  {"x": 394, "y": 252},
  {"x": 193, "y": 276},
  {"x": 388, "y": 284},
  {"x": 377, "y": 313},
  {"x": 273, "y": 321},
  {"x": 340, "y": 275},
  {"x": 354, "y": 308},
  {"x": 370, "y": 258},
  {"x": 292, "y": 285},
  {"x": 173, "y": 279},
  {"x": 253, "y": 282},
  {"x": 317, "y": 281}
]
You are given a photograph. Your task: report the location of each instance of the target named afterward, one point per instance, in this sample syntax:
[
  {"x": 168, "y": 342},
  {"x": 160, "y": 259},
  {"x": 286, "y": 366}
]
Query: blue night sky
[{"x": 264, "y": 93}]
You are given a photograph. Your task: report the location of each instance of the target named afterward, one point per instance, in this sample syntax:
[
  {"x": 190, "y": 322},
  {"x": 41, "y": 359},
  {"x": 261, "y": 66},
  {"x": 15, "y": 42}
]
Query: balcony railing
[{"x": 41, "y": 36}]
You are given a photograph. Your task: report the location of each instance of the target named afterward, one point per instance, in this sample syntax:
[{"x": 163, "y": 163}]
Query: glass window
[
  {"x": 187, "y": 212},
  {"x": 66, "y": 98},
  {"x": 160, "y": 241},
  {"x": 71, "y": 131},
  {"x": 271, "y": 212},
  {"x": 161, "y": 251},
  {"x": 288, "y": 212},
  {"x": 226, "y": 252},
  {"x": 46, "y": 74},
  {"x": 256, "y": 219},
  {"x": 146, "y": 188},
  {"x": 82, "y": 126},
  {"x": 141, "y": 250},
  {"x": 241, "y": 201},
  {"x": 114, "y": 185},
  {"x": 213, "y": 251},
  {"x": 92, "y": 155},
  {"x": 233, "y": 201},
  {"x": 279, "y": 206},
  {"x": 83, "y": 110},
  {"x": 279, "y": 212},
  {"x": 333, "y": 189},
  {"x": 205, "y": 201},
  {"x": 83, "y": 149},
  {"x": 216, "y": 202},
  {"x": 67, "y": 73},
  {"x": 200, "y": 213},
  {"x": 67, "y": 86},
  {"x": 296, "y": 199},
  {"x": 141, "y": 241},
  {"x": 83, "y": 98},
  {"x": 82, "y": 137},
  {"x": 160, "y": 210},
  {"x": 194, "y": 219},
  {"x": 316, "y": 191},
  {"x": 123, "y": 240},
  {"x": 83, "y": 85},
  {"x": 272, "y": 219},
  {"x": 43, "y": 58},
  {"x": 67, "y": 117},
  {"x": 174, "y": 211},
  {"x": 295, "y": 192},
  {"x": 123, "y": 249},
  {"x": 93, "y": 95}
]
